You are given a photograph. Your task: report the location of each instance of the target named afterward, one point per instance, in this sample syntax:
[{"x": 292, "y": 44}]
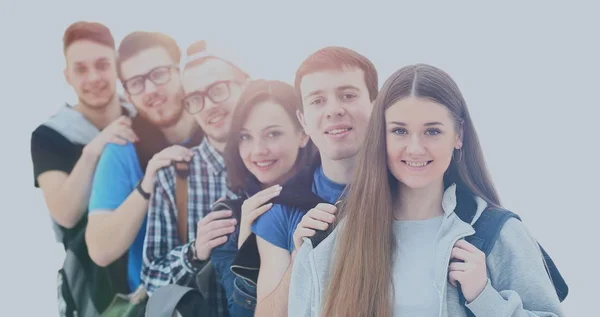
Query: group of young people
[{"x": 214, "y": 193}]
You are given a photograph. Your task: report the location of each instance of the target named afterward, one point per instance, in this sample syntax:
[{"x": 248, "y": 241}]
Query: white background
[{"x": 529, "y": 72}]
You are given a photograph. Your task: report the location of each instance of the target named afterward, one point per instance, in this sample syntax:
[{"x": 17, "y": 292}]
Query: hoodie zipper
[{"x": 316, "y": 300}]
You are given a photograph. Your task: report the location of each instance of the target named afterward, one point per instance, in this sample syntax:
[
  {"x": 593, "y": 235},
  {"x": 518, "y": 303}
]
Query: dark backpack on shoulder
[
  {"x": 487, "y": 230},
  {"x": 296, "y": 193},
  {"x": 84, "y": 288}
]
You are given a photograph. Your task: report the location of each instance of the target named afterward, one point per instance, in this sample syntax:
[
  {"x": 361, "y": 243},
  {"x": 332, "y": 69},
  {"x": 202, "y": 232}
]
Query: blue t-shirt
[
  {"x": 117, "y": 173},
  {"x": 277, "y": 225}
]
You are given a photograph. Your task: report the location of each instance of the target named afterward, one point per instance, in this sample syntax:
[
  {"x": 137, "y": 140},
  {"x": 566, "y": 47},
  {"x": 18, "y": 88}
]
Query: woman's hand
[
  {"x": 253, "y": 207},
  {"x": 318, "y": 218},
  {"x": 469, "y": 270}
]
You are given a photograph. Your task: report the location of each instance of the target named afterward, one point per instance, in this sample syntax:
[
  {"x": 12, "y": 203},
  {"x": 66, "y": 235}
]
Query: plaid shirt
[{"x": 165, "y": 260}]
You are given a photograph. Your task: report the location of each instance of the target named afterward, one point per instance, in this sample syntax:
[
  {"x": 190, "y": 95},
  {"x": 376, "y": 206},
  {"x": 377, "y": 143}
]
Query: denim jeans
[{"x": 241, "y": 295}]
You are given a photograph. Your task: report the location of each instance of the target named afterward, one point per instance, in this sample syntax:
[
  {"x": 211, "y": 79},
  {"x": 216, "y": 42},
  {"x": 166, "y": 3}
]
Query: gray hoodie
[{"x": 517, "y": 285}]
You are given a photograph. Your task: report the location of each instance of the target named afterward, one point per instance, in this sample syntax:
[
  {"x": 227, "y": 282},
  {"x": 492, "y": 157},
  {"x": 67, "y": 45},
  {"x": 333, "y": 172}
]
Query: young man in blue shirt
[
  {"x": 337, "y": 87},
  {"x": 148, "y": 67}
]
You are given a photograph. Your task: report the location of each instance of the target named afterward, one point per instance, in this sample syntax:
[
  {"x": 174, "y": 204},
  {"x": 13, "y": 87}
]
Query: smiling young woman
[{"x": 399, "y": 246}]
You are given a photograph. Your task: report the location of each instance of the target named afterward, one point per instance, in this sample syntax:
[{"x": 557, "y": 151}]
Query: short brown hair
[
  {"x": 91, "y": 31},
  {"x": 138, "y": 41},
  {"x": 338, "y": 58},
  {"x": 239, "y": 177}
]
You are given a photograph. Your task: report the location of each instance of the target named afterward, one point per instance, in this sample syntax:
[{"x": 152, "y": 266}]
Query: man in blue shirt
[
  {"x": 337, "y": 87},
  {"x": 148, "y": 69}
]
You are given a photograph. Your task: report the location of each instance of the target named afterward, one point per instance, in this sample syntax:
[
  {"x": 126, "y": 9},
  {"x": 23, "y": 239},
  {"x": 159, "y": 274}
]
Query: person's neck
[
  {"x": 180, "y": 131},
  {"x": 419, "y": 204},
  {"x": 283, "y": 179},
  {"x": 101, "y": 117},
  {"x": 339, "y": 171},
  {"x": 219, "y": 146}
]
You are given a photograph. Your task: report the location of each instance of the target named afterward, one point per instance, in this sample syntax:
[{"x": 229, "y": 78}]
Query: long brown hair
[
  {"x": 362, "y": 266},
  {"x": 256, "y": 91}
]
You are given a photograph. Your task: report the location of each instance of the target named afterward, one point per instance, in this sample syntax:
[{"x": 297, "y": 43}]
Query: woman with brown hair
[
  {"x": 266, "y": 146},
  {"x": 398, "y": 247}
]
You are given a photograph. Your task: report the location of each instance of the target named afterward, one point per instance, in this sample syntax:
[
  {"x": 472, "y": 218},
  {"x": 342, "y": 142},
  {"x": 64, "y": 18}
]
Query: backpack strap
[
  {"x": 296, "y": 193},
  {"x": 488, "y": 227},
  {"x": 487, "y": 230},
  {"x": 164, "y": 301},
  {"x": 560, "y": 285},
  {"x": 151, "y": 142},
  {"x": 181, "y": 199}
]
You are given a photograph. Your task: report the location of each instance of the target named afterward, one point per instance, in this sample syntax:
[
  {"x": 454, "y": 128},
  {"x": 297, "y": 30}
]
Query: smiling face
[
  {"x": 152, "y": 84},
  {"x": 212, "y": 91},
  {"x": 336, "y": 111},
  {"x": 420, "y": 138},
  {"x": 269, "y": 143},
  {"x": 91, "y": 71}
]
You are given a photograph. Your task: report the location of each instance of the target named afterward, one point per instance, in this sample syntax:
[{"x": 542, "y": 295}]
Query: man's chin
[
  {"x": 97, "y": 103},
  {"x": 338, "y": 154},
  {"x": 163, "y": 120},
  {"x": 164, "y": 123},
  {"x": 217, "y": 137}
]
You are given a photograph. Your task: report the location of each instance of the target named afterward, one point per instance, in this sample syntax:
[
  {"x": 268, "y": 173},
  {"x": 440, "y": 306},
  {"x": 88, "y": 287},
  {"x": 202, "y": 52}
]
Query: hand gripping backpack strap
[
  {"x": 205, "y": 279},
  {"x": 498, "y": 217},
  {"x": 487, "y": 230},
  {"x": 296, "y": 193}
]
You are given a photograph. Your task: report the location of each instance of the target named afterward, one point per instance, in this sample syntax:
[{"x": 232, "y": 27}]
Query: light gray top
[
  {"x": 518, "y": 285},
  {"x": 414, "y": 271}
]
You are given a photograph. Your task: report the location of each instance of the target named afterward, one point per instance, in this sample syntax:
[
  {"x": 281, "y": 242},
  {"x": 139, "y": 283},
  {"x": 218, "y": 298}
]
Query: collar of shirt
[{"x": 214, "y": 160}]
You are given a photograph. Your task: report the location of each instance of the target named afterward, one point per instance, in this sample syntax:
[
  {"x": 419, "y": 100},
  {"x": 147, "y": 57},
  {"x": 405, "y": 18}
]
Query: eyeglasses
[
  {"x": 217, "y": 92},
  {"x": 158, "y": 76}
]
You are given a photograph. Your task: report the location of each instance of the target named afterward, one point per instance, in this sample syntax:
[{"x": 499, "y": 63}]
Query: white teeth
[
  {"x": 265, "y": 163},
  {"x": 216, "y": 119},
  {"x": 157, "y": 102},
  {"x": 337, "y": 131},
  {"x": 416, "y": 164}
]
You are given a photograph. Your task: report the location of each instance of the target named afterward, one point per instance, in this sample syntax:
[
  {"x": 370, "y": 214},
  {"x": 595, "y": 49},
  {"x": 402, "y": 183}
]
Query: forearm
[
  {"x": 68, "y": 204},
  {"x": 521, "y": 286},
  {"x": 110, "y": 234},
  {"x": 509, "y": 303},
  {"x": 276, "y": 303}
]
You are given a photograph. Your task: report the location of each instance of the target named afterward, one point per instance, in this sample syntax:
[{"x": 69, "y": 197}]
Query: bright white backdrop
[{"x": 528, "y": 72}]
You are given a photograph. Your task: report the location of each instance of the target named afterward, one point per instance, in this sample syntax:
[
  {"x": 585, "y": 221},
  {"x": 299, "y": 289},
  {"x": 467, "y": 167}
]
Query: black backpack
[
  {"x": 296, "y": 193},
  {"x": 487, "y": 230},
  {"x": 84, "y": 288}
]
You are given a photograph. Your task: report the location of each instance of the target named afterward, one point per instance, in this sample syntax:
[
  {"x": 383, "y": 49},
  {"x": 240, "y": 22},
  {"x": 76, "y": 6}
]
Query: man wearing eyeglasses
[
  {"x": 148, "y": 68},
  {"x": 212, "y": 87}
]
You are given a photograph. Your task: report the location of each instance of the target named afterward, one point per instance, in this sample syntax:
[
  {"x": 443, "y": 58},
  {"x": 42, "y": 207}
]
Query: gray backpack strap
[
  {"x": 164, "y": 301},
  {"x": 205, "y": 279}
]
